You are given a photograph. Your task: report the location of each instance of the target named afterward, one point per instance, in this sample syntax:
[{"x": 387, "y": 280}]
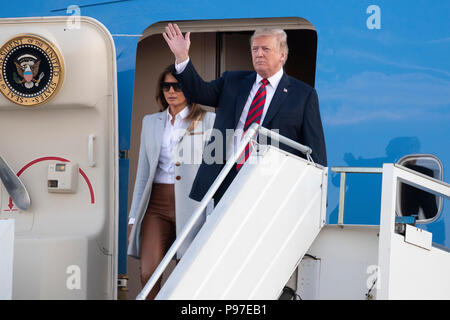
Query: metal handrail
[
  {"x": 440, "y": 182},
  {"x": 291, "y": 143},
  {"x": 249, "y": 135},
  {"x": 343, "y": 171},
  {"x": 14, "y": 186}
]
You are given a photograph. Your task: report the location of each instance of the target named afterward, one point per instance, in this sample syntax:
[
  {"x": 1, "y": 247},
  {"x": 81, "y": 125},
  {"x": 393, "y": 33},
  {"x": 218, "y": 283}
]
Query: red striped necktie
[{"x": 254, "y": 115}]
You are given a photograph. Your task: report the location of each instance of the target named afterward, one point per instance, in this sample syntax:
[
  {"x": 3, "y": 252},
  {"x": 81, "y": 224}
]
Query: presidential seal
[{"x": 31, "y": 70}]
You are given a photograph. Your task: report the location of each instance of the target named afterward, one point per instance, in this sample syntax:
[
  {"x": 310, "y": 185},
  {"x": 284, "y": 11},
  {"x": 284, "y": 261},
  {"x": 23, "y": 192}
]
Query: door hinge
[{"x": 123, "y": 154}]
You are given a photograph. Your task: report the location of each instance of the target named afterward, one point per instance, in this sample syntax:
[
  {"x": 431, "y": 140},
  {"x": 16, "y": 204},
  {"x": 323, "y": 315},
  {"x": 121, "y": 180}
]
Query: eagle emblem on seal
[
  {"x": 31, "y": 70},
  {"x": 27, "y": 71}
]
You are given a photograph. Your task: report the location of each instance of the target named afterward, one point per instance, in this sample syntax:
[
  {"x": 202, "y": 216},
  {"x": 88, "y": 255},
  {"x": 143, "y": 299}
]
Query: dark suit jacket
[{"x": 294, "y": 110}]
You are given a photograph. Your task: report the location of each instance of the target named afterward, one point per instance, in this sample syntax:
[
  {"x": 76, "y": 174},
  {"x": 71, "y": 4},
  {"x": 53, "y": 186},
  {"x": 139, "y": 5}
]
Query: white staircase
[{"x": 254, "y": 239}]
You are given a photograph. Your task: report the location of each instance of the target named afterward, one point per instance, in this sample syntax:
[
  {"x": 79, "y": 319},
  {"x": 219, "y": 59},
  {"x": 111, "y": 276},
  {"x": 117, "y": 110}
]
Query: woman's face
[{"x": 172, "y": 92}]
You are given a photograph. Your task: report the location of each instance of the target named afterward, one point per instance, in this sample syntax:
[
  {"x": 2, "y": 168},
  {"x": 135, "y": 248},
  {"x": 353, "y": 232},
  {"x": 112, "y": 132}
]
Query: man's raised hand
[{"x": 178, "y": 44}]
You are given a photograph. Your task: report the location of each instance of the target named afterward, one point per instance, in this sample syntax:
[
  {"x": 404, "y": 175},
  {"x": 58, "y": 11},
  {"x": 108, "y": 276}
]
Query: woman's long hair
[{"x": 196, "y": 112}]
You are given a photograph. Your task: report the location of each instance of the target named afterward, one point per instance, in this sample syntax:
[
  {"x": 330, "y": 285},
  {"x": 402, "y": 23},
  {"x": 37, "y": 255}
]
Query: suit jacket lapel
[
  {"x": 244, "y": 90},
  {"x": 158, "y": 134},
  {"x": 196, "y": 129},
  {"x": 277, "y": 100}
]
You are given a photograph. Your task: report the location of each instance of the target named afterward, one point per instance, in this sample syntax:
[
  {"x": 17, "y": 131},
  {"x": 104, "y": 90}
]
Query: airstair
[
  {"x": 258, "y": 233},
  {"x": 270, "y": 224}
]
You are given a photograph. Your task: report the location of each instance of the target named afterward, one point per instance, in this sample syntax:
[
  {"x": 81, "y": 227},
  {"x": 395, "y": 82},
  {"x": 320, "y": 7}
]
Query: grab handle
[{"x": 91, "y": 160}]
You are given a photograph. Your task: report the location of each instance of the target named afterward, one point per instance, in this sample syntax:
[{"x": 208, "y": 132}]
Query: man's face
[{"x": 266, "y": 56}]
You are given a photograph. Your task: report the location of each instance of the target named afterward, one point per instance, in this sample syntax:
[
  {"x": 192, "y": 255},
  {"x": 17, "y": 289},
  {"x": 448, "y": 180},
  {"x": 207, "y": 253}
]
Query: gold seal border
[{"x": 38, "y": 100}]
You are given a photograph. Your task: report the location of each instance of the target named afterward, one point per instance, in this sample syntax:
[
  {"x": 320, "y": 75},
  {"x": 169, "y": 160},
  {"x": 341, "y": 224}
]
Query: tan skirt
[{"x": 158, "y": 232}]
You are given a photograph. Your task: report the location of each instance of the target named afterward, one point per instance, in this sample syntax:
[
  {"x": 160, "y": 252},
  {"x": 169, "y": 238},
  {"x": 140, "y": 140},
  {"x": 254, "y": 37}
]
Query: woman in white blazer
[{"x": 171, "y": 148}]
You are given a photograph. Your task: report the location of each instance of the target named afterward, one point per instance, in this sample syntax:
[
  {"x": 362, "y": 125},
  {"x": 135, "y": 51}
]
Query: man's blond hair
[{"x": 280, "y": 35}]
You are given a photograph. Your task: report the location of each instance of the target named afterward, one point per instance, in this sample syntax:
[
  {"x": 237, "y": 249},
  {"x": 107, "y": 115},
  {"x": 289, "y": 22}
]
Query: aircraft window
[{"x": 412, "y": 201}]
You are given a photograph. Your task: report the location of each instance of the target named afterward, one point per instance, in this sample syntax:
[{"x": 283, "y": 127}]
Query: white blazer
[{"x": 187, "y": 160}]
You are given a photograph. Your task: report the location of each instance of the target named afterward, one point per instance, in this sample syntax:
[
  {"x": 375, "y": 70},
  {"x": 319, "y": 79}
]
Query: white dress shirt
[
  {"x": 270, "y": 91},
  {"x": 171, "y": 136}
]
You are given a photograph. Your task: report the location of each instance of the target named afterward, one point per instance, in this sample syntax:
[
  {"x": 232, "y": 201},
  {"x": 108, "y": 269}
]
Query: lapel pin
[{"x": 284, "y": 90}]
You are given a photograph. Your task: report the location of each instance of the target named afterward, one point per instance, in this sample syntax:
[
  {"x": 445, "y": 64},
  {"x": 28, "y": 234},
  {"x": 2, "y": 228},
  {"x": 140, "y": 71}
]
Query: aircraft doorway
[{"x": 216, "y": 46}]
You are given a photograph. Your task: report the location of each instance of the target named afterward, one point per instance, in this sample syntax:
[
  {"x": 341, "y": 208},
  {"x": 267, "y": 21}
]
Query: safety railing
[
  {"x": 393, "y": 175},
  {"x": 343, "y": 172},
  {"x": 367, "y": 170},
  {"x": 14, "y": 186},
  {"x": 250, "y": 136}
]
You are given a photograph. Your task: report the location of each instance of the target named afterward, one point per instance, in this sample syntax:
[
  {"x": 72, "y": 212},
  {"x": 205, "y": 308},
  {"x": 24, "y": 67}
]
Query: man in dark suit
[{"x": 267, "y": 96}]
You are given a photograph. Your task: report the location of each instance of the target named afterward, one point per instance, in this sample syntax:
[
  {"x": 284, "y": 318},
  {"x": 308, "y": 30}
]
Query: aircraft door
[
  {"x": 216, "y": 46},
  {"x": 58, "y": 128}
]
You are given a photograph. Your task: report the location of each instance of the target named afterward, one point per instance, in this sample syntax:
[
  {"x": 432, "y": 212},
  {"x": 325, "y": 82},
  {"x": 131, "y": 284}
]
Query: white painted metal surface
[
  {"x": 408, "y": 271},
  {"x": 347, "y": 256},
  {"x": 418, "y": 237},
  {"x": 374, "y": 262},
  {"x": 308, "y": 278},
  {"x": 416, "y": 273},
  {"x": 6, "y": 258},
  {"x": 66, "y": 244},
  {"x": 256, "y": 236}
]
